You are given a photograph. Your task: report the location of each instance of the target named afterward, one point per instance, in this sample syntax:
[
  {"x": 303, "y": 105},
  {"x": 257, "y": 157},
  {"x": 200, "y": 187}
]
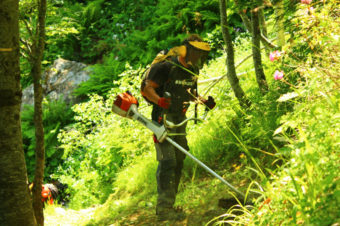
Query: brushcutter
[{"x": 126, "y": 105}]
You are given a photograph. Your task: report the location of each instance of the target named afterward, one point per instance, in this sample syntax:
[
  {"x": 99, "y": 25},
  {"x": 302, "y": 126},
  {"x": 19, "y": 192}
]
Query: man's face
[{"x": 198, "y": 58}]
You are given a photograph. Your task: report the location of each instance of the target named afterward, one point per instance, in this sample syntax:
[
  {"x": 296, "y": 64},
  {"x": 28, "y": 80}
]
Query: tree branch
[
  {"x": 28, "y": 49},
  {"x": 225, "y": 75},
  {"x": 29, "y": 30}
]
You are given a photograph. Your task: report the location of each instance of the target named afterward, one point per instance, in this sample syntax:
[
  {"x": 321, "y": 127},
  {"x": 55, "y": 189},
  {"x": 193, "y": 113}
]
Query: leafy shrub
[
  {"x": 56, "y": 115},
  {"x": 101, "y": 77},
  {"x": 99, "y": 144}
]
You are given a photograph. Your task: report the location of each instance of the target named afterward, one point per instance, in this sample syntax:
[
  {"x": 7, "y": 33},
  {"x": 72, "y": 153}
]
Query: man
[{"x": 176, "y": 75}]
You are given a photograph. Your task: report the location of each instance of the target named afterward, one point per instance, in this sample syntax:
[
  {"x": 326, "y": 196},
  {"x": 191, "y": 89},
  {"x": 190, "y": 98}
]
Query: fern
[
  {"x": 55, "y": 116},
  {"x": 92, "y": 12}
]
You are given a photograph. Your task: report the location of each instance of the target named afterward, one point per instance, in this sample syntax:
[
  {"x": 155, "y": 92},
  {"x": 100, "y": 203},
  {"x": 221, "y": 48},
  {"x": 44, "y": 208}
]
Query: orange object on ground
[
  {"x": 46, "y": 195},
  {"x": 48, "y": 192}
]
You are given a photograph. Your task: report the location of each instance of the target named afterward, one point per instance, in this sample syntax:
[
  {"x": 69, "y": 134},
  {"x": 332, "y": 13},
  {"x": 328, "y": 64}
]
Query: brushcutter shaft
[
  {"x": 204, "y": 166},
  {"x": 157, "y": 129},
  {"x": 126, "y": 105}
]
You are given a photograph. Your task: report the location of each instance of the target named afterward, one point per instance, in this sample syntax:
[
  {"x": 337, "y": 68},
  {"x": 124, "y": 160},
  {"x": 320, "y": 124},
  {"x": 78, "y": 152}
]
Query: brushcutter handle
[{"x": 169, "y": 124}]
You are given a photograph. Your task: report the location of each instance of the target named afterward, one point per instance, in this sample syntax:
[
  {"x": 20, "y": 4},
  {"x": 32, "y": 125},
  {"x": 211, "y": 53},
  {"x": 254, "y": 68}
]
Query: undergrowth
[
  {"x": 56, "y": 115},
  {"x": 305, "y": 189},
  {"x": 283, "y": 151}
]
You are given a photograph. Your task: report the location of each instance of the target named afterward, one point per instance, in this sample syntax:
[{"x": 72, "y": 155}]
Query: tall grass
[{"x": 305, "y": 189}]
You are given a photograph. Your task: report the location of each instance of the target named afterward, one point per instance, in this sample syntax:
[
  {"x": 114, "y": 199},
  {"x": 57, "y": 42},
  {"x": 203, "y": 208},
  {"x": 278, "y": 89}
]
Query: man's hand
[
  {"x": 210, "y": 103},
  {"x": 164, "y": 102}
]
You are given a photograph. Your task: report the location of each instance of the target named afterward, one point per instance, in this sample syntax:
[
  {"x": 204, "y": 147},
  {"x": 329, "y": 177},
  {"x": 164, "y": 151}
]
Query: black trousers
[{"x": 170, "y": 165}]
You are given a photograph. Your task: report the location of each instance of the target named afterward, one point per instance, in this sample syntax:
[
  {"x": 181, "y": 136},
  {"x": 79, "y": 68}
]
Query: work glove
[
  {"x": 164, "y": 102},
  {"x": 210, "y": 103}
]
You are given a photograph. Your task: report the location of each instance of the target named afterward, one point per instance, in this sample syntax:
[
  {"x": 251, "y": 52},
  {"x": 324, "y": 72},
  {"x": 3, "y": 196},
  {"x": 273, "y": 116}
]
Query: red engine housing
[{"x": 123, "y": 102}]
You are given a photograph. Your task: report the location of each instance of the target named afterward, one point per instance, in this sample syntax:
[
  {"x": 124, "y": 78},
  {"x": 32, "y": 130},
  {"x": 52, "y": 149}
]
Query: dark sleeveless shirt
[{"x": 177, "y": 81}]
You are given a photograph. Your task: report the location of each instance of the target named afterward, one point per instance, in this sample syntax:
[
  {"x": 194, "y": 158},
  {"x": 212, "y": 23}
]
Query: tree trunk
[
  {"x": 231, "y": 73},
  {"x": 37, "y": 52},
  {"x": 279, "y": 11},
  {"x": 15, "y": 201},
  {"x": 248, "y": 24},
  {"x": 263, "y": 27},
  {"x": 260, "y": 77},
  {"x": 39, "y": 149},
  {"x": 263, "y": 23}
]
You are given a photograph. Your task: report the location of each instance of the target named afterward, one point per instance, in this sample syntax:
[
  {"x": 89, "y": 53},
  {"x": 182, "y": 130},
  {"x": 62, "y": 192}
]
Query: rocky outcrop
[{"x": 59, "y": 82}]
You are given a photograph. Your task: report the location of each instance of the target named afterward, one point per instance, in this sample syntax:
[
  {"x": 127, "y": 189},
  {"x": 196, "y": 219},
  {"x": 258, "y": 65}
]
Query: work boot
[{"x": 170, "y": 214}]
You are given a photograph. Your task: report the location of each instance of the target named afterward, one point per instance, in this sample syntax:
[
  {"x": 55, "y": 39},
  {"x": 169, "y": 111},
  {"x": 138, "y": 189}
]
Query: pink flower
[
  {"x": 278, "y": 75},
  {"x": 307, "y": 2},
  {"x": 310, "y": 10},
  {"x": 275, "y": 55}
]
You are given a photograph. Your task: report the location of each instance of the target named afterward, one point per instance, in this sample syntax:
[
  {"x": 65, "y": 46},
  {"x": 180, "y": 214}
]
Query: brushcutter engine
[{"x": 126, "y": 106}]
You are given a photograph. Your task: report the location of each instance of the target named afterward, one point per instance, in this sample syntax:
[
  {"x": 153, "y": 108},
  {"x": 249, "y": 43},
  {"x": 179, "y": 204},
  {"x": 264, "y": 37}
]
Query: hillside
[{"x": 283, "y": 152}]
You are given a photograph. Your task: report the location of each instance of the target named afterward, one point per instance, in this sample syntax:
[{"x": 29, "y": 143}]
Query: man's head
[{"x": 197, "y": 51}]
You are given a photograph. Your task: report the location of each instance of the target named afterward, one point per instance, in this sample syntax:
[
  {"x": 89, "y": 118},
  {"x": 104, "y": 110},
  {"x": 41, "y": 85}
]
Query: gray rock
[{"x": 59, "y": 82}]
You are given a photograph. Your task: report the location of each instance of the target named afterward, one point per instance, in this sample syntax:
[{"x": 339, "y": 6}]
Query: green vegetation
[
  {"x": 56, "y": 115},
  {"x": 283, "y": 151}
]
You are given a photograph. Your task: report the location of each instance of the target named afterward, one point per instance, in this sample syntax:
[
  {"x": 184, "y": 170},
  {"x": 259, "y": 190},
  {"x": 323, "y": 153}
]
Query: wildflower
[
  {"x": 242, "y": 156},
  {"x": 275, "y": 55},
  {"x": 310, "y": 10},
  {"x": 307, "y": 2},
  {"x": 236, "y": 167},
  {"x": 278, "y": 75}
]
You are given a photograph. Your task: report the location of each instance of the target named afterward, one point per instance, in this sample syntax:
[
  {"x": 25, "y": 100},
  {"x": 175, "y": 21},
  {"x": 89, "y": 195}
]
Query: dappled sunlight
[{"x": 56, "y": 215}]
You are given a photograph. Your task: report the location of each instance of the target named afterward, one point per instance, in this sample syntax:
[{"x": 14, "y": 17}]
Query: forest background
[{"x": 280, "y": 146}]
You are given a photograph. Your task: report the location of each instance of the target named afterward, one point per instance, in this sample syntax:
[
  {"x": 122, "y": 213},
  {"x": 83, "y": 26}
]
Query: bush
[
  {"x": 56, "y": 115},
  {"x": 99, "y": 144}
]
